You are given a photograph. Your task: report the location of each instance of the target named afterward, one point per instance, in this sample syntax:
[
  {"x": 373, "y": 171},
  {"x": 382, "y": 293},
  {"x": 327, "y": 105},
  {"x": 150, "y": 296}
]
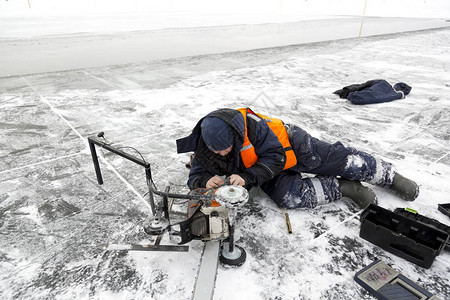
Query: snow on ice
[{"x": 53, "y": 213}]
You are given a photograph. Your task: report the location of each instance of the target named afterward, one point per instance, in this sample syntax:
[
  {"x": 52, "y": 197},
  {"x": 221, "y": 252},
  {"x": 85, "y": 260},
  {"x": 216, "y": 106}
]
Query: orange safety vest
[{"x": 248, "y": 153}]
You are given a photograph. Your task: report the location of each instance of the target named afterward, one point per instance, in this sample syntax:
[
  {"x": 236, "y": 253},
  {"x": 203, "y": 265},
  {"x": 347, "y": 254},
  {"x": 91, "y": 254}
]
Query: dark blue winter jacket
[
  {"x": 374, "y": 91},
  {"x": 206, "y": 163}
]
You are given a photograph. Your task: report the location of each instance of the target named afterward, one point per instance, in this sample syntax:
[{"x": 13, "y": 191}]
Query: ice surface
[
  {"x": 37, "y": 54},
  {"x": 53, "y": 212}
]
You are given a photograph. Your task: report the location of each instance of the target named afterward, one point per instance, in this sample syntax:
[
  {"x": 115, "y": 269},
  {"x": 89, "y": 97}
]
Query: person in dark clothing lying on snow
[{"x": 254, "y": 150}]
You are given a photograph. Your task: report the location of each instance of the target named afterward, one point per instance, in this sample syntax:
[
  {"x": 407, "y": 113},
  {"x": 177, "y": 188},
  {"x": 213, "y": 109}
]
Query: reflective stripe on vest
[{"x": 247, "y": 151}]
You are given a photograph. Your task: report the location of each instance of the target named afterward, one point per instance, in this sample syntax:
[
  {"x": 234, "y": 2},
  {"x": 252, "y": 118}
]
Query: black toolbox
[
  {"x": 402, "y": 236},
  {"x": 425, "y": 220},
  {"x": 444, "y": 208}
]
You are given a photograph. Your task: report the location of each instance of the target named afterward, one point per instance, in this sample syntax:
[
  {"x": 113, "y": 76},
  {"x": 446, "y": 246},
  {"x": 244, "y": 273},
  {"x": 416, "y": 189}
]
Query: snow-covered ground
[
  {"x": 143, "y": 72},
  {"x": 53, "y": 213}
]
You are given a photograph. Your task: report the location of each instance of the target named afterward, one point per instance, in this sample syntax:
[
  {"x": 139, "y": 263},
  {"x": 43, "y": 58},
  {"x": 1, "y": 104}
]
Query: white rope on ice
[
  {"x": 110, "y": 167},
  {"x": 151, "y": 135},
  {"x": 439, "y": 159},
  {"x": 98, "y": 78},
  {"x": 43, "y": 99},
  {"x": 114, "y": 86},
  {"x": 40, "y": 163}
]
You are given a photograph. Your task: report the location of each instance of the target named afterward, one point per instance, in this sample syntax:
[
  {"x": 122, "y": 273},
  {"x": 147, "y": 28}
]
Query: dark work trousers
[{"x": 326, "y": 161}]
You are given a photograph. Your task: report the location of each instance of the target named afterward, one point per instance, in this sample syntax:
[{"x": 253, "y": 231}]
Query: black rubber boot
[
  {"x": 404, "y": 187},
  {"x": 360, "y": 194}
]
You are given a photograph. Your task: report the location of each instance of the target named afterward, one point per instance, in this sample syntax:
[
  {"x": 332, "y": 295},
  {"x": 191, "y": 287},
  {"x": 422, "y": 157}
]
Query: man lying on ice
[{"x": 254, "y": 150}]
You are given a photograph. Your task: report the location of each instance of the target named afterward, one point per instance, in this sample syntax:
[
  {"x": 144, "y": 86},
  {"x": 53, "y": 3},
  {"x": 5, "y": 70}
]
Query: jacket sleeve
[
  {"x": 198, "y": 176},
  {"x": 270, "y": 152}
]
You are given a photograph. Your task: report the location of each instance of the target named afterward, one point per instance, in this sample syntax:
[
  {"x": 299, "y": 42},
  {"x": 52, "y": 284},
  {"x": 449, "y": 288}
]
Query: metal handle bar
[{"x": 95, "y": 141}]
